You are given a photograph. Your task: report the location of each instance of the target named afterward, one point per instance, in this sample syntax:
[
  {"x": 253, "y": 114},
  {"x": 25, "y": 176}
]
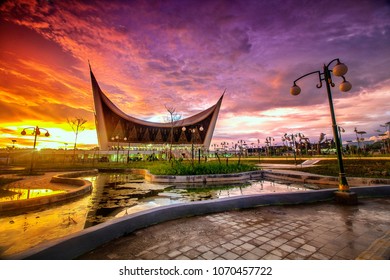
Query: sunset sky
[{"x": 147, "y": 54}]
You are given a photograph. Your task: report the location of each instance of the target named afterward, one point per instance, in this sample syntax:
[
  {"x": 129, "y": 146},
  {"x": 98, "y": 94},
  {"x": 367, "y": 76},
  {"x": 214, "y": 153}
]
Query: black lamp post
[
  {"x": 36, "y": 132},
  {"x": 241, "y": 144},
  {"x": 339, "y": 70},
  {"x": 192, "y": 131},
  {"x": 117, "y": 147},
  {"x": 387, "y": 126},
  {"x": 128, "y": 150},
  {"x": 341, "y": 130}
]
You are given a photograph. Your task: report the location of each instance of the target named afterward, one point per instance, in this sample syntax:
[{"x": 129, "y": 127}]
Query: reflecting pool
[
  {"x": 12, "y": 194},
  {"x": 113, "y": 196}
]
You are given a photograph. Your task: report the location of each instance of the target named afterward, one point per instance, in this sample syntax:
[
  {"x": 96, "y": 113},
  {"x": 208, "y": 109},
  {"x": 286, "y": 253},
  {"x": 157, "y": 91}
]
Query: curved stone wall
[
  {"x": 82, "y": 187},
  {"x": 204, "y": 179}
]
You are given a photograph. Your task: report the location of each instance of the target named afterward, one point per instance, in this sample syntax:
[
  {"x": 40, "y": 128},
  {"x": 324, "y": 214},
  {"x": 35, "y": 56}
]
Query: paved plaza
[{"x": 319, "y": 231}]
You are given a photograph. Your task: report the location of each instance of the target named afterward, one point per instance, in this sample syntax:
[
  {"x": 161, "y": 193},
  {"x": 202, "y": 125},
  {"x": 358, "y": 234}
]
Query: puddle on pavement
[{"x": 113, "y": 196}]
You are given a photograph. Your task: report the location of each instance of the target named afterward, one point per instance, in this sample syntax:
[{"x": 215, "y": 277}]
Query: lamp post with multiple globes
[
  {"x": 128, "y": 150},
  {"x": 117, "y": 146},
  {"x": 36, "y": 131},
  {"x": 13, "y": 143},
  {"x": 339, "y": 70},
  {"x": 192, "y": 130},
  {"x": 387, "y": 141},
  {"x": 240, "y": 144}
]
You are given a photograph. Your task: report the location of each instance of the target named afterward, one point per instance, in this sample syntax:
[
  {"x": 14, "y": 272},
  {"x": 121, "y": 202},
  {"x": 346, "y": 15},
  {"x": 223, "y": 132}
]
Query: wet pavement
[{"x": 323, "y": 231}]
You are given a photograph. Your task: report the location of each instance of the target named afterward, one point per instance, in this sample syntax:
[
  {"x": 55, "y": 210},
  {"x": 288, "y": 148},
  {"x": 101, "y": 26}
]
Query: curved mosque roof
[{"x": 112, "y": 122}]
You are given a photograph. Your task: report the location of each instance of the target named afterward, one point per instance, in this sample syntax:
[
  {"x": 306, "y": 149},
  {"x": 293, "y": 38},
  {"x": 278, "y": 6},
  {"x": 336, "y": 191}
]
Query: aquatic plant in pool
[{"x": 113, "y": 196}]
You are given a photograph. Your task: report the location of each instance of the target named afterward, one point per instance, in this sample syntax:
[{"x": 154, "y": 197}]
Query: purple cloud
[{"x": 146, "y": 54}]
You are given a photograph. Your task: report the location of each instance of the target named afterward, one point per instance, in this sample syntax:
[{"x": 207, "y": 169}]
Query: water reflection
[
  {"x": 11, "y": 194},
  {"x": 113, "y": 195}
]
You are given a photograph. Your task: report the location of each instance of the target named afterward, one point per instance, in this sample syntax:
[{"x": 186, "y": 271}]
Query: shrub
[{"x": 186, "y": 168}]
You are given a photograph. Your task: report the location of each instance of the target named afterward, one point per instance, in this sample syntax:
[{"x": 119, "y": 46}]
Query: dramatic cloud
[{"x": 146, "y": 54}]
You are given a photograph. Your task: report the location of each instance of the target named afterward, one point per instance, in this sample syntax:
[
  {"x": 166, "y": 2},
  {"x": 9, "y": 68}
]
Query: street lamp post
[
  {"x": 117, "y": 147},
  {"x": 192, "y": 131},
  {"x": 65, "y": 149},
  {"x": 387, "y": 126},
  {"x": 341, "y": 130},
  {"x": 128, "y": 150},
  {"x": 36, "y": 132},
  {"x": 340, "y": 69},
  {"x": 13, "y": 149},
  {"x": 241, "y": 144}
]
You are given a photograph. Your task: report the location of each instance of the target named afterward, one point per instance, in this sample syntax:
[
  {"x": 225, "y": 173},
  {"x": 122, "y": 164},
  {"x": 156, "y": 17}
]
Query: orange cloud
[{"x": 148, "y": 54}]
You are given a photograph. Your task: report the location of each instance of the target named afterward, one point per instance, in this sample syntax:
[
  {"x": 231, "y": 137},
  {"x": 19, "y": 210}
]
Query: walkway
[
  {"x": 316, "y": 231},
  {"x": 306, "y": 163}
]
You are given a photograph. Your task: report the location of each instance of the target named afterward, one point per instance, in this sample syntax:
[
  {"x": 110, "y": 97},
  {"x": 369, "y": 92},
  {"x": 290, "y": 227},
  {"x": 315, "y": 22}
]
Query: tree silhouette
[
  {"x": 78, "y": 125},
  {"x": 173, "y": 118}
]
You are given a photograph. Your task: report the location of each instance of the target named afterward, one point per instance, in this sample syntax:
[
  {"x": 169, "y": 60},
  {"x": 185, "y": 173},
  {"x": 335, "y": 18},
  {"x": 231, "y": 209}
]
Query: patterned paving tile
[{"x": 318, "y": 232}]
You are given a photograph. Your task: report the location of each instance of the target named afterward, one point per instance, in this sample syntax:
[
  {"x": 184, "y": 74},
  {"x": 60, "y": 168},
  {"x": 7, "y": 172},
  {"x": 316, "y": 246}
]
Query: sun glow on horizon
[
  {"x": 45, "y": 78},
  {"x": 61, "y": 136}
]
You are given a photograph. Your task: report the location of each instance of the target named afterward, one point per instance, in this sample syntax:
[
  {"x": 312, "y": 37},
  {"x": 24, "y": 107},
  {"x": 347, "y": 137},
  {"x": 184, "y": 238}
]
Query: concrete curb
[
  {"x": 77, "y": 244},
  {"x": 288, "y": 175},
  {"x": 196, "y": 179},
  {"x": 83, "y": 188}
]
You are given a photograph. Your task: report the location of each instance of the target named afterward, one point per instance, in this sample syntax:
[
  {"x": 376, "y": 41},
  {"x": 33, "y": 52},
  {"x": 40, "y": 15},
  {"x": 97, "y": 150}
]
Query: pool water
[
  {"x": 113, "y": 196},
  {"x": 11, "y": 194}
]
